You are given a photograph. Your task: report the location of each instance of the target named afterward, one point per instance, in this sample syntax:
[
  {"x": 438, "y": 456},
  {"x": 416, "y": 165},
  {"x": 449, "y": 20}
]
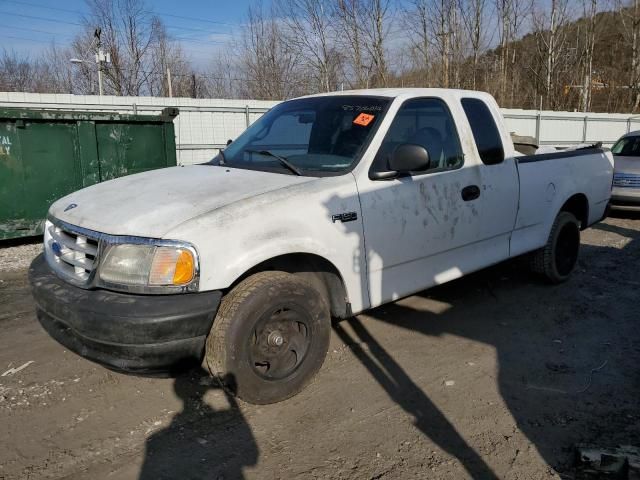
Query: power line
[
  {"x": 205, "y": 30},
  {"x": 196, "y": 19},
  {"x": 185, "y": 39},
  {"x": 37, "y": 31},
  {"x": 33, "y": 17},
  {"x": 197, "y": 30},
  {"x": 42, "y": 6},
  {"x": 24, "y": 38},
  {"x": 194, "y": 40},
  {"x": 78, "y": 12}
]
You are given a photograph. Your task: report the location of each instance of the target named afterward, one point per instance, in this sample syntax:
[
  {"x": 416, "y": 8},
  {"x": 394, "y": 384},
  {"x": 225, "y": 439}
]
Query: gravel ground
[
  {"x": 492, "y": 376},
  {"x": 18, "y": 257}
]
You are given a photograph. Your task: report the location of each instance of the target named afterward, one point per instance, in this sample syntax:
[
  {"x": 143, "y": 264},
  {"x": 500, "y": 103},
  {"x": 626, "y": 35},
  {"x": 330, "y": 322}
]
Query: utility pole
[{"x": 169, "y": 82}]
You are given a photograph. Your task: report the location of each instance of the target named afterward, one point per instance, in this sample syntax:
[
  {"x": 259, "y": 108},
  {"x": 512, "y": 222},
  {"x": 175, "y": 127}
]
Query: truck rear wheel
[
  {"x": 269, "y": 338},
  {"x": 557, "y": 259}
]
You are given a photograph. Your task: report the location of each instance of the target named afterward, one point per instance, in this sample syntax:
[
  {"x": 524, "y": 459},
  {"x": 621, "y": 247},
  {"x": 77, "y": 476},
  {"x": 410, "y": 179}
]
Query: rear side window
[{"x": 485, "y": 131}]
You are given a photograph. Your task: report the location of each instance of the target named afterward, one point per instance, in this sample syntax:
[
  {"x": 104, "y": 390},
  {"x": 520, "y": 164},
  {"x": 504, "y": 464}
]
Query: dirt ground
[{"x": 492, "y": 376}]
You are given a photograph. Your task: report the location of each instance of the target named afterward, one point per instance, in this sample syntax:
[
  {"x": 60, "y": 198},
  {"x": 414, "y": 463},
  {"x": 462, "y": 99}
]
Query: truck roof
[{"x": 406, "y": 92}]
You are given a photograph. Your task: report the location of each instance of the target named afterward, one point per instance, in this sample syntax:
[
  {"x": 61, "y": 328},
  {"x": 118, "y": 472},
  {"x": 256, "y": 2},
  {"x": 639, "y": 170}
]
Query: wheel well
[
  {"x": 318, "y": 271},
  {"x": 579, "y": 206}
]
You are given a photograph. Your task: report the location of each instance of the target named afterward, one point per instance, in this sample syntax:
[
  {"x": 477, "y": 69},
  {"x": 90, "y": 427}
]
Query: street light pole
[{"x": 101, "y": 59}]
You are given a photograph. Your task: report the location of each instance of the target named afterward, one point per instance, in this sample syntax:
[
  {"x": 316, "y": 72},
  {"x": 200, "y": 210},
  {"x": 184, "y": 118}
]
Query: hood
[
  {"x": 151, "y": 204},
  {"x": 627, "y": 164}
]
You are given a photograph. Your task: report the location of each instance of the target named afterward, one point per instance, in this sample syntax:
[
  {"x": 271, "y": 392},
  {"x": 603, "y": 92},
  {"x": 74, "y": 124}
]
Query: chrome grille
[
  {"x": 628, "y": 180},
  {"x": 69, "y": 253}
]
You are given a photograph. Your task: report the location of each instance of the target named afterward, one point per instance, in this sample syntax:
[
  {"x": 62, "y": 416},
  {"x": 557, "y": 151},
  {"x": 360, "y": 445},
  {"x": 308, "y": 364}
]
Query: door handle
[{"x": 470, "y": 193}]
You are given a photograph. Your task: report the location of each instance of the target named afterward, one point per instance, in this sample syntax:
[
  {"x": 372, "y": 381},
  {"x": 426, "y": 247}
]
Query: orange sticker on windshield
[{"x": 363, "y": 119}]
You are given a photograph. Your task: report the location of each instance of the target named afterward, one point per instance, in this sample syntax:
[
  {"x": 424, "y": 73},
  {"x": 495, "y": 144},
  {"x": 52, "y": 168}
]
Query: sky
[{"x": 28, "y": 27}]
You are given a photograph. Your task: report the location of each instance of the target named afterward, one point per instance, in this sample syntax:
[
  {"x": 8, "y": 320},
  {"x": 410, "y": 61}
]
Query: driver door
[{"x": 424, "y": 228}]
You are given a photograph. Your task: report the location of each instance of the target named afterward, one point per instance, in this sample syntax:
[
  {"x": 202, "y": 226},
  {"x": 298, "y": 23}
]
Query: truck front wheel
[
  {"x": 557, "y": 259},
  {"x": 269, "y": 338}
]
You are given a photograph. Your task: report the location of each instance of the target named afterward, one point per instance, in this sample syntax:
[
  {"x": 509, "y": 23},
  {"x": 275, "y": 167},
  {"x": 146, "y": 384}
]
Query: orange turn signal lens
[
  {"x": 172, "y": 266},
  {"x": 185, "y": 268}
]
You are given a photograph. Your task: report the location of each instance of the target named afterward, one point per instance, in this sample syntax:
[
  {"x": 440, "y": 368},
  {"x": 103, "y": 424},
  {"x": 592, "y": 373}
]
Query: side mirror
[
  {"x": 405, "y": 158},
  {"x": 229, "y": 142}
]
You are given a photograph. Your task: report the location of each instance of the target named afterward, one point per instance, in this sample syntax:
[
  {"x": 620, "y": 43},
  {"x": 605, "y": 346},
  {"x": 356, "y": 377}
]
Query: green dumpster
[{"x": 45, "y": 155}]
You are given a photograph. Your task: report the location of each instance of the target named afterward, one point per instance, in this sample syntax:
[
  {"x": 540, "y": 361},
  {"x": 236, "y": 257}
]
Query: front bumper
[
  {"x": 123, "y": 331},
  {"x": 625, "y": 198}
]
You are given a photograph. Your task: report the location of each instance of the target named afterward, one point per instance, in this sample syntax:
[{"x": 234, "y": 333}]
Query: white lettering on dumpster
[{"x": 5, "y": 146}]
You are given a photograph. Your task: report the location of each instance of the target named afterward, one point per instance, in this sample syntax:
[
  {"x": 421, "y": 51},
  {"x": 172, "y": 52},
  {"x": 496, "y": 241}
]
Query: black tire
[
  {"x": 557, "y": 259},
  {"x": 269, "y": 338}
]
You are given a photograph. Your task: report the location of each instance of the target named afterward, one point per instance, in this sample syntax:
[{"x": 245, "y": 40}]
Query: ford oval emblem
[
  {"x": 56, "y": 249},
  {"x": 70, "y": 206}
]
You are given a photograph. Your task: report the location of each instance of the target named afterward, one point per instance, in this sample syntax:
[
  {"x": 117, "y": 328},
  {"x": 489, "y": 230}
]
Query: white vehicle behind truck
[
  {"x": 326, "y": 206},
  {"x": 626, "y": 174}
]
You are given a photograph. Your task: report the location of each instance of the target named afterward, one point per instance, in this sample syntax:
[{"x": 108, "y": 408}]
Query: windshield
[
  {"x": 316, "y": 136},
  {"x": 627, "y": 147}
]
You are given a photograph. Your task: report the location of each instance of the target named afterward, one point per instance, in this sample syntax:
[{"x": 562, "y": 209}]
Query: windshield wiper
[{"x": 282, "y": 160}]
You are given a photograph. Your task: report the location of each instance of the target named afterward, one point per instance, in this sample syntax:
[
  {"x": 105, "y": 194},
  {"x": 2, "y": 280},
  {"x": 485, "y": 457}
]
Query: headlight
[{"x": 148, "y": 267}]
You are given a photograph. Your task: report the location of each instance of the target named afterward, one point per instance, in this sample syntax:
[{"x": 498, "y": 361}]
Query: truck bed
[{"x": 553, "y": 176}]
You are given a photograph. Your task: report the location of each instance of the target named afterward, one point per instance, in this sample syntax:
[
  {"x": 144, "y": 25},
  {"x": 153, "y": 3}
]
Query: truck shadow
[
  {"x": 200, "y": 442},
  {"x": 404, "y": 392},
  {"x": 563, "y": 352}
]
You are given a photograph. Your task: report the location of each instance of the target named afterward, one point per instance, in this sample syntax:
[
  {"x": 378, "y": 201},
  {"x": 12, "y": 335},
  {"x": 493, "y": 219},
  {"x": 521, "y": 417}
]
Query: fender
[{"x": 307, "y": 218}]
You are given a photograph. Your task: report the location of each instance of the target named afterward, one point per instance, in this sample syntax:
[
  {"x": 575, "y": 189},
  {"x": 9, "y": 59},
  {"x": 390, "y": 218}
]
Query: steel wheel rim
[{"x": 279, "y": 342}]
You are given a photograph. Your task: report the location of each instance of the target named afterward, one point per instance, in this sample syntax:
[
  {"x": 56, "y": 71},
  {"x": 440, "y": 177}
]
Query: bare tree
[
  {"x": 268, "y": 62},
  {"x": 504, "y": 9},
  {"x": 550, "y": 31},
  {"x": 421, "y": 37},
  {"x": 15, "y": 72},
  {"x": 24, "y": 74},
  {"x": 442, "y": 13},
  {"x": 62, "y": 75},
  {"x": 376, "y": 15},
  {"x": 308, "y": 30},
  {"x": 630, "y": 20},
  {"x": 439, "y": 33},
  {"x": 222, "y": 81},
  {"x": 168, "y": 61},
  {"x": 510, "y": 15},
  {"x": 590, "y": 9},
  {"x": 473, "y": 16},
  {"x": 349, "y": 16}
]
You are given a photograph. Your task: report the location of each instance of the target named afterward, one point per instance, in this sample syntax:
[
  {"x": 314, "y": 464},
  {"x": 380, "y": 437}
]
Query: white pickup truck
[{"x": 326, "y": 206}]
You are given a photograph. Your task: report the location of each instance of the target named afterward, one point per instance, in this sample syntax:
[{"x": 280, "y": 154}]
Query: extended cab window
[
  {"x": 426, "y": 122},
  {"x": 485, "y": 131},
  {"x": 314, "y": 136}
]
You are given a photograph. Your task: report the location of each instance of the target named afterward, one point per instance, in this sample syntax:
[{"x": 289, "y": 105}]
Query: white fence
[{"x": 205, "y": 125}]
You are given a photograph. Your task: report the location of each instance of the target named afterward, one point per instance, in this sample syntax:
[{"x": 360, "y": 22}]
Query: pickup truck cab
[{"x": 326, "y": 206}]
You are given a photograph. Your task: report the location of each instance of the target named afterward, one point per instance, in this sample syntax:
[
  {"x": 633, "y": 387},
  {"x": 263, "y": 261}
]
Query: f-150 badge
[{"x": 344, "y": 217}]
